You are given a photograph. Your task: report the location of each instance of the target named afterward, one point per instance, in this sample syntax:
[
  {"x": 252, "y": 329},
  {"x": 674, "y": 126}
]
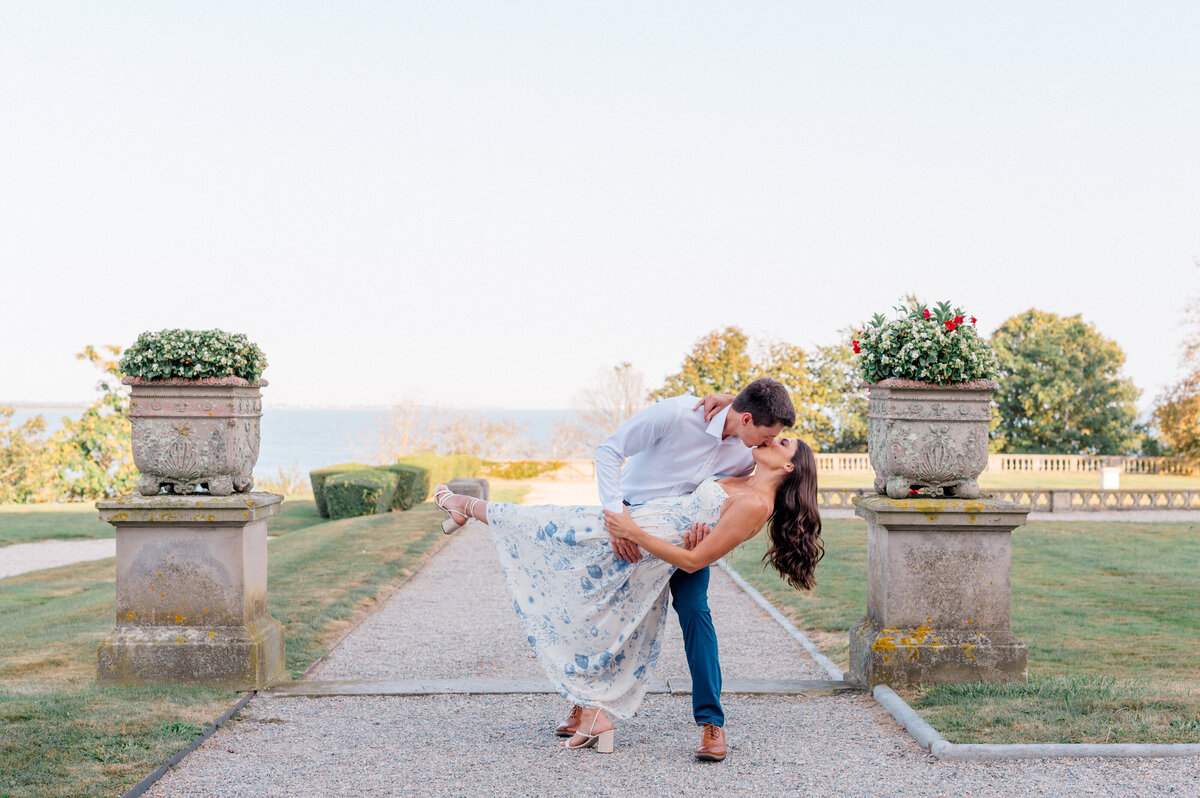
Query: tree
[
  {"x": 843, "y": 397},
  {"x": 409, "y": 429},
  {"x": 1061, "y": 388},
  {"x": 26, "y": 473},
  {"x": 614, "y": 396},
  {"x": 721, "y": 362},
  {"x": 93, "y": 457},
  {"x": 789, "y": 365},
  {"x": 718, "y": 363},
  {"x": 1177, "y": 409}
]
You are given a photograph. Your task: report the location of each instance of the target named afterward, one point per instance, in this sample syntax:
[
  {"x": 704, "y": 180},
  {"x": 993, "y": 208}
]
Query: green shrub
[
  {"x": 318, "y": 478},
  {"x": 443, "y": 468},
  {"x": 193, "y": 354},
  {"x": 520, "y": 469},
  {"x": 360, "y": 492},
  {"x": 413, "y": 485}
]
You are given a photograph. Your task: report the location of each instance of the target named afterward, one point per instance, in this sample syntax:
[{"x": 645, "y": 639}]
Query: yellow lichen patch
[
  {"x": 180, "y": 640},
  {"x": 973, "y": 509},
  {"x": 882, "y": 644},
  {"x": 968, "y": 650},
  {"x": 917, "y": 636},
  {"x": 129, "y": 615},
  {"x": 211, "y": 635},
  {"x": 178, "y": 618}
]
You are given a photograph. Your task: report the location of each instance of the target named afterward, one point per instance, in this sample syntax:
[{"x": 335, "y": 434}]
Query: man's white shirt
[{"x": 667, "y": 450}]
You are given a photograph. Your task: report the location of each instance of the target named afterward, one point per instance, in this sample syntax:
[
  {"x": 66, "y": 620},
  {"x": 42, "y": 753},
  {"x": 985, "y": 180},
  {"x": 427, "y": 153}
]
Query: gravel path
[
  {"x": 21, "y": 558},
  {"x": 454, "y": 620}
]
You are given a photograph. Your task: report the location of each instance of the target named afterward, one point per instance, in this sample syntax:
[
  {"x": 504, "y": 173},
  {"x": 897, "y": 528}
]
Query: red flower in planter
[
  {"x": 973, "y": 319},
  {"x": 958, "y": 320},
  {"x": 927, "y": 313},
  {"x": 950, "y": 325},
  {"x": 857, "y": 349}
]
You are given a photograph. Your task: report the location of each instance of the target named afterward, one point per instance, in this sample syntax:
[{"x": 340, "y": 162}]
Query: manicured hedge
[
  {"x": 443, "y": 468},
  {"x": 520, "y": 469},
  {"x": 318, "y": 478},
  {"x": 360, "y": 492},
  {"x": 413, "y": 485}
]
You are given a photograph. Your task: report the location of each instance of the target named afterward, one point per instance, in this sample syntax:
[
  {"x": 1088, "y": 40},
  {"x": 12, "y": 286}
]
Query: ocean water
[{"x": 308, "y": 438}]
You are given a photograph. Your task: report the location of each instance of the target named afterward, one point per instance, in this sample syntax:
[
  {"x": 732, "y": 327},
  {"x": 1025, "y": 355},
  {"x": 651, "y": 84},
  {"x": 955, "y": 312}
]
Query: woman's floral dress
[{"x": 595, "y": 621}]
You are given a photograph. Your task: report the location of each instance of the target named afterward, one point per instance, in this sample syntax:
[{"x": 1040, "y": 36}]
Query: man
[{"x": 668, "y": 450}]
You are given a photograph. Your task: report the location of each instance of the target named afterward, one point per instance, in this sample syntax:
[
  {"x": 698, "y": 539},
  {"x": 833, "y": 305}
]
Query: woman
[{"x": 596, "y": 621}]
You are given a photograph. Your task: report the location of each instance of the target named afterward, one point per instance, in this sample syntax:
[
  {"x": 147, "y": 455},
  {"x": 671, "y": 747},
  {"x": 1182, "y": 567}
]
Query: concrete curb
[
  {"x": 940, "y": 748},
  {"x": 989, "y": 753},
  {"x": 825, "y": 662},
  {"x": 925, "y": 735},
  {"x": 148, "y": 781},
  {"x": 380, "y": 600}
]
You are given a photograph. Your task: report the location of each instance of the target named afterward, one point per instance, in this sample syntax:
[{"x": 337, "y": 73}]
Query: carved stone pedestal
[
  {"x": 192, "y": 592},
  {"x": 937, "y": 593}
]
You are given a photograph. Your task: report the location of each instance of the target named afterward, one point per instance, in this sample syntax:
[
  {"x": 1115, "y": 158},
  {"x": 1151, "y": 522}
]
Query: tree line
[{"x": 1061, "y": 391}]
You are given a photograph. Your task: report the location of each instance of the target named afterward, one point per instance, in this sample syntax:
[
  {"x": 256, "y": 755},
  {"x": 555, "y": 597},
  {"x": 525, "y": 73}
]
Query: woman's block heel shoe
[
  {"x": 440, "y": 494},
  {"x": 601, "y": 741}
]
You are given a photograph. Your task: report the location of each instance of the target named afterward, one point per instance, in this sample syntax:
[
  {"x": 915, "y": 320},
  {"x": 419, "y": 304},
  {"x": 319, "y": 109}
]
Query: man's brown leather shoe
[
  {"x": 712, "y": 743},
  {"x": 571, "y": 724}
]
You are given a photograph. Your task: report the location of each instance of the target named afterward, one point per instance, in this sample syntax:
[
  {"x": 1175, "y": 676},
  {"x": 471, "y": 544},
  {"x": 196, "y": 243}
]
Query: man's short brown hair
[{"x": 767, "y": 402}]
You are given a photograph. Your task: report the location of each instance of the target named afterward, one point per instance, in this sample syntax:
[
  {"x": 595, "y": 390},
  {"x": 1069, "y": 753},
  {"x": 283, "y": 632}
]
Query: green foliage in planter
[
  {"x": 193, "y": 354},
  {"x": 412, "y": 487},
  {"x": 520, "y": 469},
  {"x": 940, "y": 346},
  {"x": 319, "y": 477},
  {"x": 443, "y": 468},
  {"x": 361, "y": 492}
]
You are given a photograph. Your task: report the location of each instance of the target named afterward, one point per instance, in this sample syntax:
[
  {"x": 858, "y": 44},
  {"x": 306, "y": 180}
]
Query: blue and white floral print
[{"x": 596, "y": 622}]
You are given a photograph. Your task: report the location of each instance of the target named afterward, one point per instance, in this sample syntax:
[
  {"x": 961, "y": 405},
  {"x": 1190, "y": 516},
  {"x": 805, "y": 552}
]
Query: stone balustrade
[
  {"x": 860, "y": 463},
  {"x": 1051, "y": 501}
]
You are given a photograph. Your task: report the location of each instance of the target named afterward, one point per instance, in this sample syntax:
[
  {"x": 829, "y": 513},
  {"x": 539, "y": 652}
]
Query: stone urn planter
[
  {"x": 922, "y": 435},
  {"x": 195, "y": 433}
]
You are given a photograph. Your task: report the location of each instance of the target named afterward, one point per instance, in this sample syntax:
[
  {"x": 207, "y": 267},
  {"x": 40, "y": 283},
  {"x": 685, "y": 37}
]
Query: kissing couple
[{"x": 682, "y": 484}]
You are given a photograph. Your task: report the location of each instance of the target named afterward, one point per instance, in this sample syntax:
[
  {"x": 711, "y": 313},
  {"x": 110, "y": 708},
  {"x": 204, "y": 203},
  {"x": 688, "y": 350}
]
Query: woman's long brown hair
[{"x": 795, "y": 547}]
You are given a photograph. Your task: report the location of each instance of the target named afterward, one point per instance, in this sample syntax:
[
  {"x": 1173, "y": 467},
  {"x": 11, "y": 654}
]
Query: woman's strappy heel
[
  {"x": 440, "y": 494},
  {"x": 602, "y": 741}
]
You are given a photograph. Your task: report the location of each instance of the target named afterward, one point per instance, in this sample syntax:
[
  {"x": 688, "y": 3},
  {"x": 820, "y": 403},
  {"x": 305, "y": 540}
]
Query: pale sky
[{"x": 483, "y": 204}]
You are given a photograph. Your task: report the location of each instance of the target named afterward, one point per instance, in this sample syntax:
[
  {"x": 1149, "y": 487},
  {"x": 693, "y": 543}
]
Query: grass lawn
[
  {"x": 1110, "y": 612},
  {"x": 60, "y": 735},
  {"x": 1043, "y": 480},
  {"x": 27, "y": 523}
]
